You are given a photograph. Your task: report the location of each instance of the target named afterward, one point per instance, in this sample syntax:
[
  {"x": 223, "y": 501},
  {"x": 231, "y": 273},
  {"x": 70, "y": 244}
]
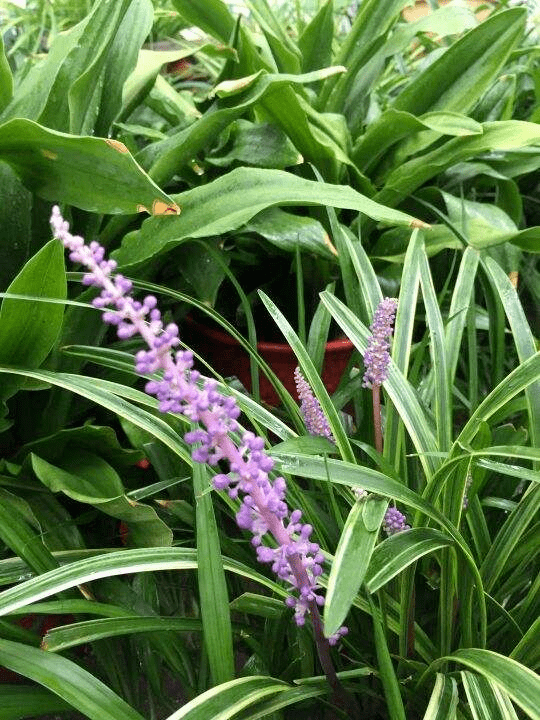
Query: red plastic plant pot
[{"x": 227, "y": 357}]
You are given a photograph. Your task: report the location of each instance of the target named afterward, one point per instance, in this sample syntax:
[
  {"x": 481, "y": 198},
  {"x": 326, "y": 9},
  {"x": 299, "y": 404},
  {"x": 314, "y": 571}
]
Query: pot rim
[{"x": 224, "y": 337}]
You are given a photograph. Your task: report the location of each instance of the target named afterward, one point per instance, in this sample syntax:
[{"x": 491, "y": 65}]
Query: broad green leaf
[
  {"x": 372, "y": 21},
  {"x": 66, "y": 679},
  {"x": 29, "y": 329},
  {"x": 167, "y": 157},
  {"x": 228, "y": 699},
  {"x": 18, "y": 532},
  {"x": 89, "y": 479},
  {"x": 456, "y": 80},
  {"x": 215, "y": 18},
  {"x": 287, "y": 232},
  {"x": 257, "y": 144},
  {"x": 394, "y": 125},
  {"x": 20, "y": 701},
  {"x": 446, "y": 20},
  {"x": 315, "y": 42},
  {"x": 504, "y": 135},
  {"x": 352, "y": 559},
  {"x": 399, "y": 551},
  {"x": 143, "y": 78},
  {"x": 284, "y": 50},
  {"x": 75, "y": 97},
  {"x": 486, "y": 700},
  {"x": 518, "y": 682},
  {"x": 212, "y": 16},
  {"x": 232, "y": 200},
  {"x": 87, "y": 437},
  {"x": 134, "y": 28},
  {"x": 444, "y": 699},
  {"x": 6, "y": 79},
  {"x": 95, "y": 174},
  {"x": 17, "y": 225},
  {"x": 213, "y": 593},
  {"x": 30, "y": 97}
]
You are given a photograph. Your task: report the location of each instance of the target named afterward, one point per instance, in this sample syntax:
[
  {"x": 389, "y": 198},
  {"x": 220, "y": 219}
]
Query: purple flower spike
[
  {"x": 394, "y": 522},
  {"x": 377, "y": 357},
  {"x": 314, "y": 418},
  {"x": 263, "y": 510}
]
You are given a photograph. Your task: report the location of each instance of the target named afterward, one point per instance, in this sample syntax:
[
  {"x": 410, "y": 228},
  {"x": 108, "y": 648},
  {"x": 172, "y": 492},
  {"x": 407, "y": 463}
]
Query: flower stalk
[{"x": 263, "y": 509}]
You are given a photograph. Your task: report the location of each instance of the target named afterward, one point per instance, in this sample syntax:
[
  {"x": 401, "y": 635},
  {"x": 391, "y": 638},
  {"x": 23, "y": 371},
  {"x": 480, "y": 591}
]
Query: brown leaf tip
[
  {"x": 117, "y": 145},
  {"x": 420, "y": 224},
  {"x": 159, "y": 207}
]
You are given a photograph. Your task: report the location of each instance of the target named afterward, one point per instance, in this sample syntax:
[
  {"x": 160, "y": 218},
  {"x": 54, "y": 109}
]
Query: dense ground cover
[{"x": 295, "y": 172}]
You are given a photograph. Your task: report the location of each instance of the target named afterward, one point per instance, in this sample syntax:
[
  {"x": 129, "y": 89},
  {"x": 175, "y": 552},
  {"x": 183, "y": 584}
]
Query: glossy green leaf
[
  {"x": 504, "y": 135},
  {"x": 29, "y": 329},
  {"x": 232, "y": 200},
  {"x": 134, "y": 28},
  {"x": 18, "y": 531},
  {"x": 144, "y": 75},
  {"x": 216, "y": 19},
  {"x": 87, "y": 478},
  {"x": 394, "y": 125},
  {"x": 372, "y": 21},
  {"x": 456, "y": 80},
  {"x": 287, "y": 232},
  {"x": 92, "y": 173},
  {"x": 399, "y": 551},
  {"x": 66, "y": 679},
  {"x": 352, "y": 559},
  {"x": 444, "y": 699},
  {"x": 78, "y": 91},
  {"x": 315, "y": 42},
  {"x": 261, "y": 145}
]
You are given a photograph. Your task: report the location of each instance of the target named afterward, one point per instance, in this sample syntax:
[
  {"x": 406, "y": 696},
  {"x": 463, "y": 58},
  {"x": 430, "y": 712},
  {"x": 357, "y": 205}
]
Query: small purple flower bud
[
  {"x": 314, "y": 418},
  {"x": 377, "y": 357},
  {"x": 394, "y": 521}
]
